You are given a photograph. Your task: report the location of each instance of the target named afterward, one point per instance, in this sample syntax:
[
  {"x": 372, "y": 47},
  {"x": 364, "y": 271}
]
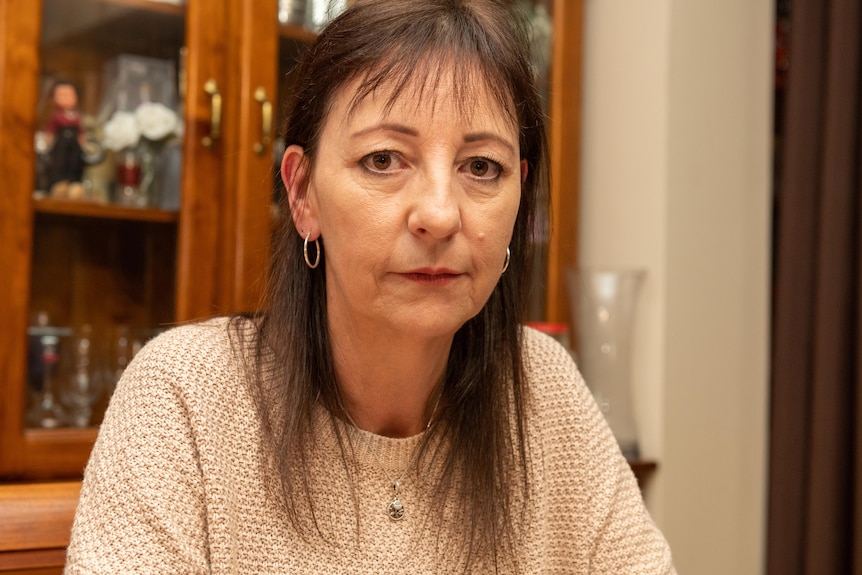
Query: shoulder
[
  {"x": 187, "y": 359},
  {"x": 561, "y": 404},
  {"x": 549, "y": 366},
  {"x": 543, "y": 351},
  {"x": 186, "y": 386},
  {"x": 214, "y": 342},
  {"x": 207, "y": 334}
]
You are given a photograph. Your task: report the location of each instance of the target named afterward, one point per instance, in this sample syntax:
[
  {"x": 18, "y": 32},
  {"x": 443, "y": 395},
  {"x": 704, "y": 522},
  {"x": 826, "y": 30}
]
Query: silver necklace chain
[{"x": 395, "y": 508}]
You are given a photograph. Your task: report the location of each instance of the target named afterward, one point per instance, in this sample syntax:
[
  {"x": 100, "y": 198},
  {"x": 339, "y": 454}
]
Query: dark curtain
[{"x": 815, "y": 477}]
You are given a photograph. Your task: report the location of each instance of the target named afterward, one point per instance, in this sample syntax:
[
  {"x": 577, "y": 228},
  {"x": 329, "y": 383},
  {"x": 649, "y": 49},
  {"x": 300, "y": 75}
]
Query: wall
[{"x": 676, "y": 180}]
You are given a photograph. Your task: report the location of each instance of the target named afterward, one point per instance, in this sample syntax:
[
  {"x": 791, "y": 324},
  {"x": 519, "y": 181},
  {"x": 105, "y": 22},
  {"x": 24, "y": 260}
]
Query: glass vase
[
  {"x": 46, "y": 411},
  {"x": 603, "y": 303},
  {"x": 80, "y": 388},
  {"x": 129, "y": 191}
]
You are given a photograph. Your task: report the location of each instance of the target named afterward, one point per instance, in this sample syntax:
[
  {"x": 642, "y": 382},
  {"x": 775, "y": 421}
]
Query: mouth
[{"x": 432, "y": 276}]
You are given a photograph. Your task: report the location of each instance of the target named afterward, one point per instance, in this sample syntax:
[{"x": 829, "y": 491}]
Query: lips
[
  {"x": 432, "y": 275},
  {"x": 435, "y": 272}
]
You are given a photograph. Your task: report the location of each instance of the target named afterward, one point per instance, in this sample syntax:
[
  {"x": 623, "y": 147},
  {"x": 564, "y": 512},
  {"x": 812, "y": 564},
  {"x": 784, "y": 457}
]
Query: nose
[{"x": 435, "y": 210}]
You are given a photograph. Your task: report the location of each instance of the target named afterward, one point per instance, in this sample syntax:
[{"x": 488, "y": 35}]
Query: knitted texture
[{"x": 175, "y": 482}]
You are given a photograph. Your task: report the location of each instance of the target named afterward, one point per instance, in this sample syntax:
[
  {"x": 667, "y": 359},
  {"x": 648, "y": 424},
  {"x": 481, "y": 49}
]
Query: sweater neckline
[{"x": 372, "y": 449}]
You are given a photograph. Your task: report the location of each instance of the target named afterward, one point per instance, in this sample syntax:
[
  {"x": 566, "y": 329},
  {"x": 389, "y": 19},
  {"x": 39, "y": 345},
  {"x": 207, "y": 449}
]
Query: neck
[{"x": 393, "y": 390}]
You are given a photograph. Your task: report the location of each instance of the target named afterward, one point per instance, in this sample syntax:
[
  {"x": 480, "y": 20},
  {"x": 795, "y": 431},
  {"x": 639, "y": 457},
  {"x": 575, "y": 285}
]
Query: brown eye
[
  {"x": 479, "y": 167},
  {"x": 482, "y": 169},
  {"x": 381, "y": 161}
]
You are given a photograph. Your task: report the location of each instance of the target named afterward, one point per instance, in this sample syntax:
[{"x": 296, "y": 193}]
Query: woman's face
[{"x": 416, "y": 206}]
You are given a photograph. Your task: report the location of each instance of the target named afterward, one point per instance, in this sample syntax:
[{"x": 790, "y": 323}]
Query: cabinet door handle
[
  {"x": 266, "y": 121},
  {"x": 211, "y": 88}
]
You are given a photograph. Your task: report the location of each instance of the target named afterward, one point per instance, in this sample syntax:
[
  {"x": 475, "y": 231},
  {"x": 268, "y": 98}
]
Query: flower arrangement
[
  {"x": 139, "y": 137},
  {"x": 151, "y": 121}
]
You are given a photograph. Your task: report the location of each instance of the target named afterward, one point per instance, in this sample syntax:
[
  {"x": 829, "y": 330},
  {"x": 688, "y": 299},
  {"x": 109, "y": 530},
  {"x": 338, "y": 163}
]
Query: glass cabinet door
[
  {"x": 108, "y": 160},
  {"x": 110, "y": 116}
]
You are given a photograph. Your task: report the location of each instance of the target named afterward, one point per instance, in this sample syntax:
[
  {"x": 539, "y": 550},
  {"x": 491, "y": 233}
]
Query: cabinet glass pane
[{"x": 107, "y": 151}]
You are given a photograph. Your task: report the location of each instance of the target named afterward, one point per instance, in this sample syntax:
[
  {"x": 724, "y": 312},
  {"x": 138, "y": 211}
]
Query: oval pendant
[{"x": 396, "y": 509}]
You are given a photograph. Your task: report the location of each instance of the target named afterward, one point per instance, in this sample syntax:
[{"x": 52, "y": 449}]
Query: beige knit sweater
[{"x": 174, "y": 483}]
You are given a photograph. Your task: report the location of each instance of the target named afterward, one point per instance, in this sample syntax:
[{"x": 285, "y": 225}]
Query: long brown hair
[{"x": 402, "y": 44}]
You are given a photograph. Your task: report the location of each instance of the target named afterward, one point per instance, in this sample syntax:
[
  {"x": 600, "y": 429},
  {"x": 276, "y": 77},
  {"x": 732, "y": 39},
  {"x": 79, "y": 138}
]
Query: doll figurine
[{"x": 66, "y": 141}]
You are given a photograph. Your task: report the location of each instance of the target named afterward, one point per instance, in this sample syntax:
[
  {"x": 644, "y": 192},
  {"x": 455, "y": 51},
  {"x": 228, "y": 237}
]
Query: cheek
[
  {"x": 351, "y": 217},
  {"x": 495, "y": 231},
  {"x": 354, "y": 227},
  {"x": 502, "y": 221}
]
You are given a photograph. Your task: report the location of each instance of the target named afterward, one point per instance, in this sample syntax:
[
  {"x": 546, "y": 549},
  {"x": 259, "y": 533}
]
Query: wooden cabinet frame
[
  {"x": 565, "y": 143},
  {"x": 222, "y": 227}
]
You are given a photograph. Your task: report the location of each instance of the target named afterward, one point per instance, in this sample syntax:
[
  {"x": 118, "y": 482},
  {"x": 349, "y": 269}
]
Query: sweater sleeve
[
  {"x": 142, "y": 504},
  {"x": 616, "y": 535}
]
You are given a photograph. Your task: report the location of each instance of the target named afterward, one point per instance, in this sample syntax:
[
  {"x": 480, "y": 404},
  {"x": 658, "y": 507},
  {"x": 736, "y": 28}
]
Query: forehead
[{"x": 464, "y": 89}]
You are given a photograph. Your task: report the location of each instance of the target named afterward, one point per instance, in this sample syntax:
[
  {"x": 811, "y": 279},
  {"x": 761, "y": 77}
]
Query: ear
[
  {"x": 294, "y": 174},
  {"x": 524, "y": 170}
]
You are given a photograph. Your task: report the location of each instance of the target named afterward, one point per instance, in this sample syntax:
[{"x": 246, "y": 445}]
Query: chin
[{"x": 430, "y": 324}]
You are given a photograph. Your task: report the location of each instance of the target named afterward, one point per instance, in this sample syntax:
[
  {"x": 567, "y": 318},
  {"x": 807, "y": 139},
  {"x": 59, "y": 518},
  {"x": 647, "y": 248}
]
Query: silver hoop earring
[
  {"x": 317, "y": 248},
  {"x": 506, "y": 263}
]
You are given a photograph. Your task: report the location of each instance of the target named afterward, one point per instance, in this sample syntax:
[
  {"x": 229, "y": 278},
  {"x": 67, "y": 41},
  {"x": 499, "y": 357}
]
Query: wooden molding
[{"x": 35, "y": 523}]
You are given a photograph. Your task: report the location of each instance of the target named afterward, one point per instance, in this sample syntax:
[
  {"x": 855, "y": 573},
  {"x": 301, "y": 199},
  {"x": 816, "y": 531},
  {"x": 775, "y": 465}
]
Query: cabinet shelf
[
  {"x": 65, "y": 435},
  {"x": 113, "y": 26},
  {"x": 57, "y": 453},
  {"x": 102, "y": 211},
  {"x": 176, "y": 9}
]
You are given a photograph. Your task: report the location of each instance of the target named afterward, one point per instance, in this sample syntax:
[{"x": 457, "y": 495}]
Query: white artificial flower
[
  {"x": 155, "y": 120},
  {"x": 121, "y": 131}
]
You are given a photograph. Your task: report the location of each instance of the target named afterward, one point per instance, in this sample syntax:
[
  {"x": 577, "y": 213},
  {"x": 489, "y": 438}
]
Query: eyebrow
[
  {"x": 480, "y": 136},
  {"x": 386, "y": 126},
  {"x": 407, "y": 130}
]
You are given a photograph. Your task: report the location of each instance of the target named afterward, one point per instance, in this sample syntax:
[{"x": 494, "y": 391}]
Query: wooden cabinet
[
  {"x": 68, "y": 263},
  {"x": 86, "y": 262}
]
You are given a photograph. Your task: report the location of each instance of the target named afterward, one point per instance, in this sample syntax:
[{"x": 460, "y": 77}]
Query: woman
[{"x": 387, "y": 413}]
